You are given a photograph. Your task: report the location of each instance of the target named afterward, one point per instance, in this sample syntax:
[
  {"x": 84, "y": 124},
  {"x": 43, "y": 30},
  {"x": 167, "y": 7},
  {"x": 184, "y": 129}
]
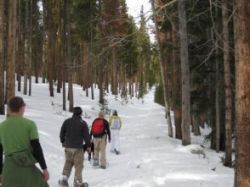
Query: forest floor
[{"x": 149, "y": 158}]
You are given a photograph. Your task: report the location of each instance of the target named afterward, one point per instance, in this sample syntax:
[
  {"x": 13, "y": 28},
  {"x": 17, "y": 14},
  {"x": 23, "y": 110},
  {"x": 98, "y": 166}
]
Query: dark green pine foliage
[
  {"x": 129, "y": 49},
  {"x": 205, "y": 35},
  {"x": 201, "y": 65},
  {"x": 144, "y": 49},
  {"x": 85, "y": 17},
  {"x": 159, "y": 97}
]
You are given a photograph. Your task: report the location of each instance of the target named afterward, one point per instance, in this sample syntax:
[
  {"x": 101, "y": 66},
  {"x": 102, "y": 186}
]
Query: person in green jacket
[{"x": 20, "y": 143}]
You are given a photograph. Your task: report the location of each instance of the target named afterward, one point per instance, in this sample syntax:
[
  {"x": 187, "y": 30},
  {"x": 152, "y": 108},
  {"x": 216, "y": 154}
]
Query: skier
[
  {"x": 20, "y": 143},
  {"x": 73, "y": 131},
  {"x": 115, "y": 126},
  {"x": 100, "y": 131}
]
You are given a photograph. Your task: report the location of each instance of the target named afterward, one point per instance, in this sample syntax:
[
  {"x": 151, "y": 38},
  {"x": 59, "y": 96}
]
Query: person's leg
[
  {"x": 68, "y": 162},
  {"x": 96, "y": 151},
  {"x": 112, "y": 147},
  {"x": 117, "y": 140},
  {"x": 103, "y": 144},
  {"x": 78, "y": 164}
]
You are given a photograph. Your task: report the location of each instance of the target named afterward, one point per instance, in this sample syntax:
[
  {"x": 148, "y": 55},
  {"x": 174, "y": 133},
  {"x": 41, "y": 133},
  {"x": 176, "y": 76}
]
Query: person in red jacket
[{"x": 100, "y": 131}]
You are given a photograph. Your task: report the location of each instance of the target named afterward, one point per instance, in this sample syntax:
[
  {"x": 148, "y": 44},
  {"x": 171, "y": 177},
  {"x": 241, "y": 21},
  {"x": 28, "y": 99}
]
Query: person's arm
[
  {"x": 38, "y": 153},
  {"x": 86, "y": 135},
  {"x": 110, "y": 120},
  {"x": 91, "y": 130},
  {"x": 1, "y": 159},
  {"x": 107, "y": 129},
  {"x": 63, "y": 132},
  {"x": 120, "y": 122}
]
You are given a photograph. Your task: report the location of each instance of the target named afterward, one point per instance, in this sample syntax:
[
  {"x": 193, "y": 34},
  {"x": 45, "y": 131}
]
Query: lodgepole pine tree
[{"x": 242, "y": 48}]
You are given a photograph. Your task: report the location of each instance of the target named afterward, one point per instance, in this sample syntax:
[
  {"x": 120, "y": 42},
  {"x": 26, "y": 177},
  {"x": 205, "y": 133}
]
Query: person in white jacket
[{"x": 115, "y": 127}]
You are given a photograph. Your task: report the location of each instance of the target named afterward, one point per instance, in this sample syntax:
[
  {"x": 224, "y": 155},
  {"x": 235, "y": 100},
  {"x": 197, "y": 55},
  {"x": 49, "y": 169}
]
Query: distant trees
[
  {"x": 86, "y": 42},
  {"x": 206, "y": 50}
]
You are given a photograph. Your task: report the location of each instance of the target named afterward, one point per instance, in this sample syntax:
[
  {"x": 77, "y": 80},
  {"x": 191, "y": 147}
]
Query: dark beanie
[
  {"x": 115, "y": 113},
  {"x": 77, "y": 111}
]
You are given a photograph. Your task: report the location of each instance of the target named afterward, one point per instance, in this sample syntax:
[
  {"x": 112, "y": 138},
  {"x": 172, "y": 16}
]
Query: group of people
[{"x": 20, "y": 143}]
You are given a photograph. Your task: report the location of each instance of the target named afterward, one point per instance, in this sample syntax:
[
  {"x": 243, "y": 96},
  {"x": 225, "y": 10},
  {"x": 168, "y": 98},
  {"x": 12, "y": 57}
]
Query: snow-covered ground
[{"x": 149, "y": 158}]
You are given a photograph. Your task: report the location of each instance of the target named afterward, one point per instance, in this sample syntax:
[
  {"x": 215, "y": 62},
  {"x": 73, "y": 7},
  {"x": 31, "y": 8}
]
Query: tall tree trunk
[
  {"x": 186, "y": 119},
  {"x": 69, "y": 55},
  {"x": 228, "y": 87},
  {"x": 162, "y": 62},
  {"x": 100, "y": 80},
  {"x": 59, "y": 59},
  {"x": 30, "y": 46},
  {"x": 242, "y": 41},
  {"x": 114, "y": 71},
  {"x": 50, "y": 46},
  {"x": 176, "y": 85},
  {"x": 26, "y": 46},
  {"x": 59, "y": 47},
  {"x": 85, "y": 68},
  {"x": 218, "y": 79},
  {"x": 5, "y": 45},
  {"x": 2, "y": 109},
  {"x": 18, "y": 34},
  {"x": 217, "y": 103},
  {"x": 11, "y": 49}
]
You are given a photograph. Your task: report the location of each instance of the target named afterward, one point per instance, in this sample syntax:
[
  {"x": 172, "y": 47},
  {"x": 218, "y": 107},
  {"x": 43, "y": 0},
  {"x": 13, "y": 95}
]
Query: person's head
[
  {"x": 101, "y": 114},
  {"x": 77, "y": 111},
  {"x": 16, "y": 105},
  {"x": 115, "y": 113}
]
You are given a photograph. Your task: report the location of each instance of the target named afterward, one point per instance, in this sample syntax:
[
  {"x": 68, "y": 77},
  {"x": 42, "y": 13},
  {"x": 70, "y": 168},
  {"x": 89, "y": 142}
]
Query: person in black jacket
[
  {"x": 73, "y": 132},
  {"x": 100, "y": 131}
]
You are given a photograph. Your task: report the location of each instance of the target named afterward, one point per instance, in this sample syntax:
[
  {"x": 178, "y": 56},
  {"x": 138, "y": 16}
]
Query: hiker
[
  {"x": 20, "y": 142},
  {"x": 115, "y": 126},
  {"x": 100, "y": 131},
  {"x": 73, "y": 132}
]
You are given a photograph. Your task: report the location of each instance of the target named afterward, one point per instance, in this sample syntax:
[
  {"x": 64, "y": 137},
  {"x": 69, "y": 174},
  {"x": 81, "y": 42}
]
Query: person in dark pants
[
  {"x": 20, "y": 143},
  {"x": 73, "y": 132}
]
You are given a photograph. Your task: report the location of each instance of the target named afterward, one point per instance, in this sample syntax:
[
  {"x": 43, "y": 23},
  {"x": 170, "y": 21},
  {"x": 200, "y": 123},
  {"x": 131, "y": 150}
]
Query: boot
[
  {"x": 80, "y": 184},
  {"x": 95, "y": 163},
  {"x": 64, "y": 181},
  {"x": 117, "y": 152}
]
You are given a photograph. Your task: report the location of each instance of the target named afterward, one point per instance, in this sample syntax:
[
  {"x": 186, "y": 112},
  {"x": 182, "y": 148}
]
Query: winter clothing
[
  {"x": 73, "y": 157},
  {"x": 100, "y": 149},
  {"x": 115, "y": 126},
  {"x": 73, "y": 132},
  {"x": 24, "y": 131},
  {"x": 22, "y": 151},
  {"x": 77, "y": 111},
  {"x": 100, "y": 142},
  {"x": 115, "y": 142},
  {"x": 106, "y": 129}
]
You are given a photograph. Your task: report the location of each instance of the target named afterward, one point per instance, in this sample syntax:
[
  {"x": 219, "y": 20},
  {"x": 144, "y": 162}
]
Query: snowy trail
[{"x": 148, "y": 157}]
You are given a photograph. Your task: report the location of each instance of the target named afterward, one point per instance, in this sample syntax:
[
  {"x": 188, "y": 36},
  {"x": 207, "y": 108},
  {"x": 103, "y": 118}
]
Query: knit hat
[
  {"x": 115, "y": 112},
  {"x": 77, "y": 111}
]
